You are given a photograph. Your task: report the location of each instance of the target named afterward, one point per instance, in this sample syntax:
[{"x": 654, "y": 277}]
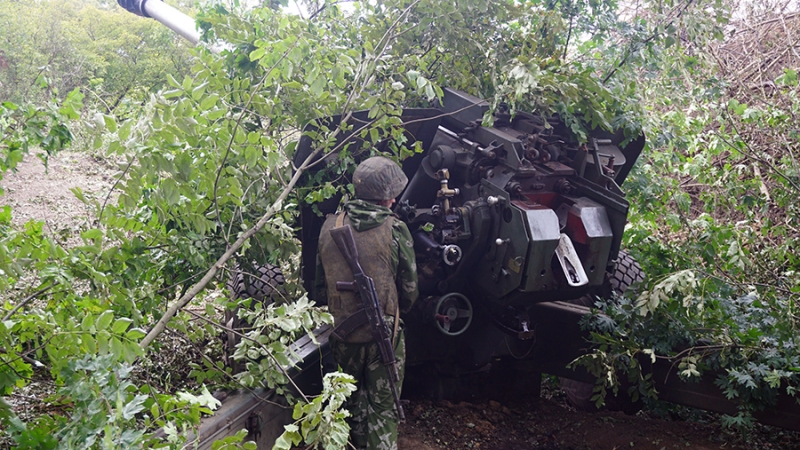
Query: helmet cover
[{"x": 378, "y": 178}]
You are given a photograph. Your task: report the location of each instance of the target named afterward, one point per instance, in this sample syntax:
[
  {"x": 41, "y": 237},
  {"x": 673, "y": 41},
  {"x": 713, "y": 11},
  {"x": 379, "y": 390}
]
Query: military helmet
[{"x": 378, "y": 178}]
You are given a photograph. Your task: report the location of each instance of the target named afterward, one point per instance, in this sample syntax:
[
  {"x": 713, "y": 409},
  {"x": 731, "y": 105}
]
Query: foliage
[
  {"x": 234, "y": 442},
  {"x": 207, "y": 172},
  {"x": 114, "y": 57},
  {"x": 106, "y": 408},
  {"x": 267, "y": 348},
  {"x": 699, "y": 328},
  {"x": 23, "y": 128},
  {"x": 714, "y": 235},
  {"x": 204, "y": 161},
  {"x": 322, "y": 420}
]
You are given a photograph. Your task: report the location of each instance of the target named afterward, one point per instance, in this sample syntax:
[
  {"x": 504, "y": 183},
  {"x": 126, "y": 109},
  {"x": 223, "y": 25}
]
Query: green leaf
[
  {"x": 209, "y": 102},
  {"x": 111, "y": 124},
  {"x": 216, "y": 114},
  {"x": 121, "y": 324},
  {"x": 257, "y": 54},
  {"x": 125, "y": 130},
  {"x": 172, "y": 93},
  {"x": 117, "y": 348},
  {"x": 240, "y": 137},
  {"x": 131, "y": 351},
  {"x": 198, "y": 91},
  {"x": 104, "y": 320},
  {"x": 172, "y": 81},
  {"x": 102, "y": 342},
  {"x": 92, "y": 234},
  {"x": 133, "y": 407},
  {"x": 90, "y": 342},
  {"x": 317, "y": 86},
  {"x": 87, "y": 324},
  {"x": 135, "y": 334},
  {"x": 289, "y": 438},
  {"x": 170, "y": 191},
  {"x": 252, "y": 155},
  {"x": 297, "y": 412}
]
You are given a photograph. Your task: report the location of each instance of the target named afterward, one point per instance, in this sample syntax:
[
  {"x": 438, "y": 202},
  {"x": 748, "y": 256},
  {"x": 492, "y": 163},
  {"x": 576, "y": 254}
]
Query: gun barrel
[{"x": 167, "y": 15}]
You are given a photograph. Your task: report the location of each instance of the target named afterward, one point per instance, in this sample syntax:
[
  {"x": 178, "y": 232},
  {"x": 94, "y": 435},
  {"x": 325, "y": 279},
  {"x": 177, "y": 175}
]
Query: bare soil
[
  {"x": 36, "y": 192},
  {"x": 549, "y": 423}
]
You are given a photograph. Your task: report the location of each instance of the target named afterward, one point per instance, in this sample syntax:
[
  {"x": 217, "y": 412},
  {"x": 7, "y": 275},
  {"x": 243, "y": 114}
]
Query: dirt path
[{"x": 38, "y": 193}]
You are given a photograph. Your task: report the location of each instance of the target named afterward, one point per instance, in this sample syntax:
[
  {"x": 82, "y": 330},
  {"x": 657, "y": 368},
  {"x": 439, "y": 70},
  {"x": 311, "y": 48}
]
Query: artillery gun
[
  {"x": 503, "y": 217},
  {"x": 517, "y": 230}
]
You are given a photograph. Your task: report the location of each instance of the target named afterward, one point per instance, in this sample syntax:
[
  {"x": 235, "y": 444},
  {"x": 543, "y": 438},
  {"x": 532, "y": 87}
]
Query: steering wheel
[{"x": 453, "y": 314}]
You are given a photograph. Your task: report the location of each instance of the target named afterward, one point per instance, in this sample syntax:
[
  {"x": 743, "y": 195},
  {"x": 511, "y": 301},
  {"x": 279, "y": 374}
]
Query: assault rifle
[{"x": 343, "y": 237}]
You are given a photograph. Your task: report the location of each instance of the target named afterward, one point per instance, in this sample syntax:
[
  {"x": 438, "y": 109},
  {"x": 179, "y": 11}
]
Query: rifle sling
[
  {"x": 356, "y": 321},
  {"x": 352, "y": 323},
  {"x": 396, "y": 323}
]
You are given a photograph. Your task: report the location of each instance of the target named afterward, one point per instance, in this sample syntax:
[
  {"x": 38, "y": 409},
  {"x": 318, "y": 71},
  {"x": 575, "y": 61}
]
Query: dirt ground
[
  {"x": 36, "y": 192},
  {"x": 546, "y": 423},
  {"x": 551, "y": 424}
]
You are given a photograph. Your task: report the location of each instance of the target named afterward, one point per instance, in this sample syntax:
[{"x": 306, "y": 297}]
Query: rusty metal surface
[{"x": 263, "y": 412}]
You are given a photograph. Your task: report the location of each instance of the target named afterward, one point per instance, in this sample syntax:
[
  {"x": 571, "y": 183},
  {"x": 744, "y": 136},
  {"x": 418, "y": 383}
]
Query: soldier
[{"x": 386, "y": 253}]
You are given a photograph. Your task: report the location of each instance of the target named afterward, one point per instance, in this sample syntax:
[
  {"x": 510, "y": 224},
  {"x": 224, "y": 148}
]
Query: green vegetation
[
  {"x": 205, "y": 142},
  {"x": 51, "y": 48},
  {"x": 717, "y": 235}
]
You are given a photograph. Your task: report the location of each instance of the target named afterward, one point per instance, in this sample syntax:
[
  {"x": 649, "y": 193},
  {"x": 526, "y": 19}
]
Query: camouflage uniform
[{"x": 373, "y": 419}]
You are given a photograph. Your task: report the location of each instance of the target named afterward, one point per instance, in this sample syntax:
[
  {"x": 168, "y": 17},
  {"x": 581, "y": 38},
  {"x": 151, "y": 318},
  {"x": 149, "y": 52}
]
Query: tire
[
  {"x": 263, "y": 283},
  {"x": 626, "y": 273},
  {"x": 579, "y": 393}
]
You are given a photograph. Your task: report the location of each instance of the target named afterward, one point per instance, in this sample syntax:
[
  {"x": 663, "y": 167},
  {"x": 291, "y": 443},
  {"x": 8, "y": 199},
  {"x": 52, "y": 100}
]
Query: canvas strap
[{"x": 340, "y": 220}]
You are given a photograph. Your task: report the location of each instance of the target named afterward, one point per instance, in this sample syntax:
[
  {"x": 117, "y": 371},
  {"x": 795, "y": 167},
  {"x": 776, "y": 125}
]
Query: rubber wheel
[
  {"x": 579, "y": 393},
  {"x": 262, "y": 283},
  {"x": 627, "y": 272}
]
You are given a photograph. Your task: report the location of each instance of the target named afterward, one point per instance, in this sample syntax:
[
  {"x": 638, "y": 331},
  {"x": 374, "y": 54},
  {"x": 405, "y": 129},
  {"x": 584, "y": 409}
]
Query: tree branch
[
  {"x": 27, "y": 300},
  {"x": 641, "y": 44},
  {"x": 271, "y": 356},
  {"x": 238, "y": 125},
  {"x": 116, "y": 183},
  {"x": 754, "y": 157},
  {"x": 366, "y": 67}
]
